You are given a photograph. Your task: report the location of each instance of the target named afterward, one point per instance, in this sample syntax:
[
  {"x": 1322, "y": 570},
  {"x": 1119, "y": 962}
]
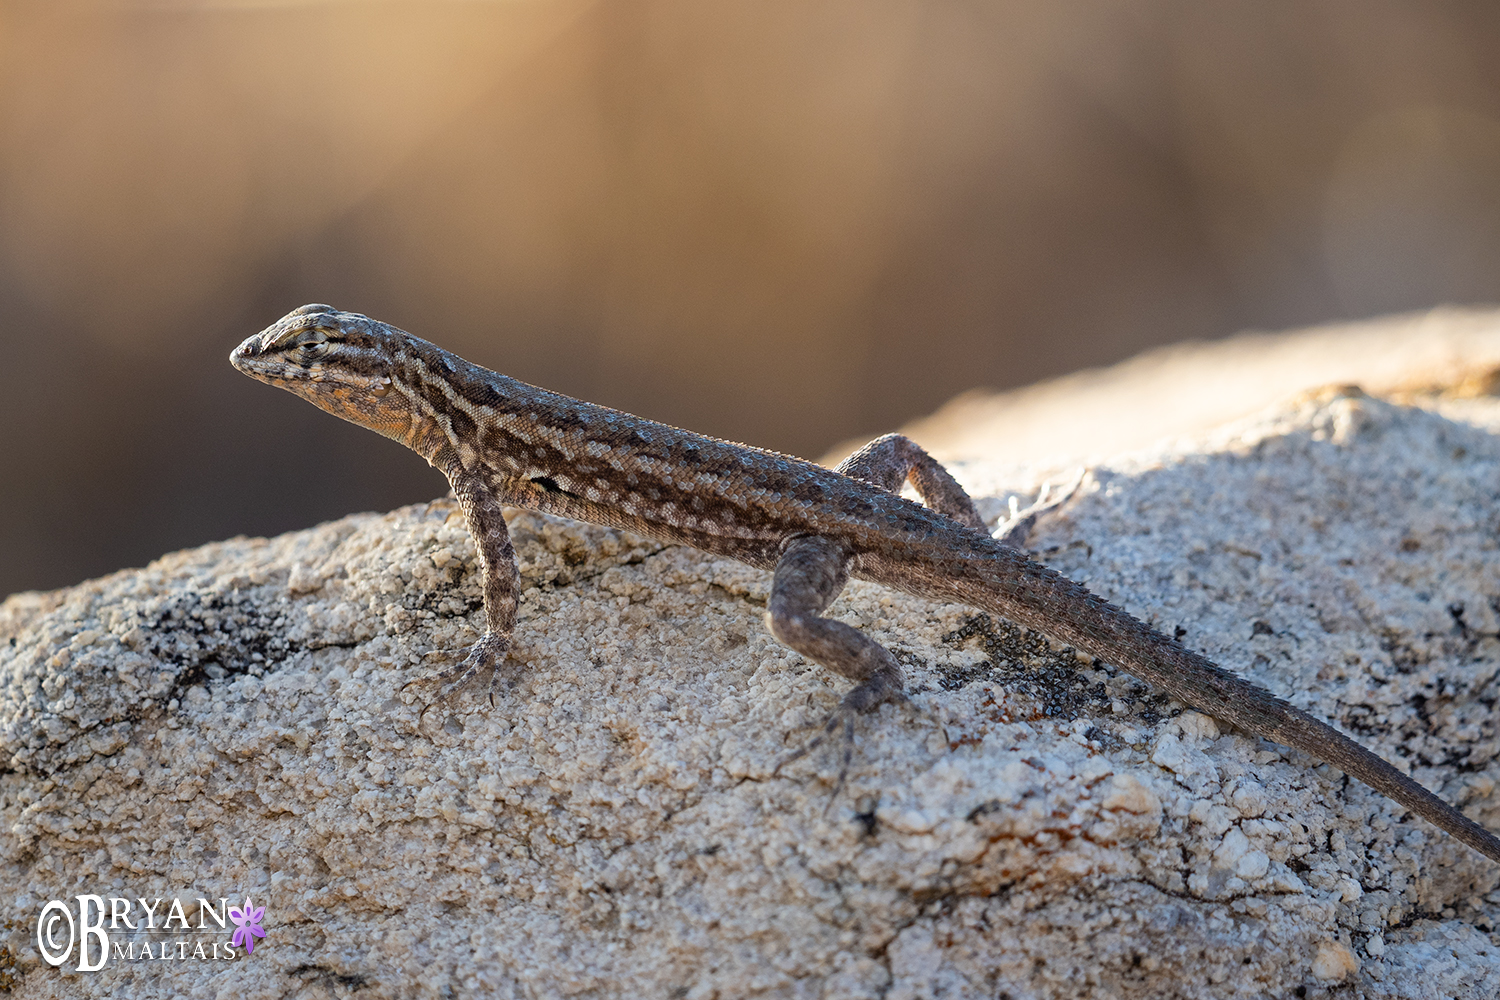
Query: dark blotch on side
[
  {"x": 479, "y": 392},
  {"x": 550, "y": 485},
  {"x": 463, "y": 425}
]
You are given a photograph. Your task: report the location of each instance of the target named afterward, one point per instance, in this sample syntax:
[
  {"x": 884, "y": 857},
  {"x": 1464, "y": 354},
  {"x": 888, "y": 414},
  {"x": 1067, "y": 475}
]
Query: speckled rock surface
[{"x": 231, "y": 721}]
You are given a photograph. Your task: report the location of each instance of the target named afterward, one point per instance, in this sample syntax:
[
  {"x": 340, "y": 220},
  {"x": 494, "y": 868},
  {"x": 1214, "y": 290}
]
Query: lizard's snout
[
  {"x": 241, "y": 356},
  {"x": 256, "y": 357}
]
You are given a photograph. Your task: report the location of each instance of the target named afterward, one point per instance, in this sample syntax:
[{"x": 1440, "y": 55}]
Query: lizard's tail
[{"x": 1032, "y": 595}]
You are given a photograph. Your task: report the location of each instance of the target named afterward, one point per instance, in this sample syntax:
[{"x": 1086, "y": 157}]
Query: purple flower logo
[{"x": 247, "y": 925}]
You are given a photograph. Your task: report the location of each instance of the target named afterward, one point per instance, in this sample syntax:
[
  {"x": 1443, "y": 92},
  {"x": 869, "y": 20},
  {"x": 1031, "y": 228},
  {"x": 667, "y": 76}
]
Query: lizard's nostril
[{"x": 247, "y": 350}]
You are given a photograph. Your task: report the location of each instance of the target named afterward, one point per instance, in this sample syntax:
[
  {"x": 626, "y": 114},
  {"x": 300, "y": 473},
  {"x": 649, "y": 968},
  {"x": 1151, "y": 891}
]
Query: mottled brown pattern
[{"x": 503, "y": 442}]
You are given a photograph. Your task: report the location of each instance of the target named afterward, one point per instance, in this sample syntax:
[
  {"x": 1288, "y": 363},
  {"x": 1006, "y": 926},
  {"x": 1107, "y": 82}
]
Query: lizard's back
[{"x": 668, "y": 477}]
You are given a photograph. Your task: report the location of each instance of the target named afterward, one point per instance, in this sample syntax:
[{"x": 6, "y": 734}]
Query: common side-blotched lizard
[{"x": 504, "y": 443}]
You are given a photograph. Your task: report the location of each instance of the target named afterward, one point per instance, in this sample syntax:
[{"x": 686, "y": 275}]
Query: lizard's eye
[{"x": 314, "y": 345}]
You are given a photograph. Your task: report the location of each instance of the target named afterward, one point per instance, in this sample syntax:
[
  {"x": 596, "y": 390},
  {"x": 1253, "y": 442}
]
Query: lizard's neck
[{"x": 455, "y": 405}]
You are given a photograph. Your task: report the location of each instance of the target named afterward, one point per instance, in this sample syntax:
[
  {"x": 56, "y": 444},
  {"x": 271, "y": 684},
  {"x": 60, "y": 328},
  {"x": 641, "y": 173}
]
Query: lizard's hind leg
[
  {"x": 890, "y": 461},
  {"x": 811, "y": 572}
]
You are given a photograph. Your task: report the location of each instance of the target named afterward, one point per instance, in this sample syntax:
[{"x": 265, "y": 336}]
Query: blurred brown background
[{"x": 786, "y": 223}]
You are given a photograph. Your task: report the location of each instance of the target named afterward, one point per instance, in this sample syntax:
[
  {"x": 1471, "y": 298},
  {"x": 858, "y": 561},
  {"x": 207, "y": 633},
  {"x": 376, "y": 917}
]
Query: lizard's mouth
[{"x": 254, "y": 358}]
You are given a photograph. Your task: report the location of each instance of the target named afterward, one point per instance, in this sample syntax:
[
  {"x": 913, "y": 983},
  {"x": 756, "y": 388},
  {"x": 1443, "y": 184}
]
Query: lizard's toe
[
  {"x": 1016, "y": 529},
  {"x": 870, "y": 694},
  {"x": 486, "y": 654},
  {"x": 864, "y": 698}
]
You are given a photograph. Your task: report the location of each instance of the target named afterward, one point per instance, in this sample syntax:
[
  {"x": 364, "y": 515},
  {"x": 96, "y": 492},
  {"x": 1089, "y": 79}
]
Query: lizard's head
[{"x": 339, "y": 361}]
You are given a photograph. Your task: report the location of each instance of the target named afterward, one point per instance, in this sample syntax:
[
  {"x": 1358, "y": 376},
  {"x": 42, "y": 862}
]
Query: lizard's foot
[
  {"x": 864, "y": 698},
  {"x": 1017, "y": 527},
  {"x": 486, "y": 654}
]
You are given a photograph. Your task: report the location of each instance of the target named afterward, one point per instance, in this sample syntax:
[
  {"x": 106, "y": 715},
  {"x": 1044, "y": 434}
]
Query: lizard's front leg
[
  {"x": 501, "y": 581},
  {"x": 810, "y": 573}
]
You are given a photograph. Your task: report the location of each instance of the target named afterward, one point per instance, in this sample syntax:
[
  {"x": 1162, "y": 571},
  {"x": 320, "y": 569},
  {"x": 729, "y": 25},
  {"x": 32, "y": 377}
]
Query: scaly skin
[{"x": 503, "y": 443}]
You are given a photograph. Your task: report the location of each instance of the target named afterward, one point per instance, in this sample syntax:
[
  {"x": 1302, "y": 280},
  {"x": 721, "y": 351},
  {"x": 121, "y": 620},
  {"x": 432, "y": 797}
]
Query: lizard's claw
[
  {"x": 1014, "y": 531},
  {"x": 866, "y": 697},
  {"x": 486, "y": 654},
  {"x": 830, "y": 726}
]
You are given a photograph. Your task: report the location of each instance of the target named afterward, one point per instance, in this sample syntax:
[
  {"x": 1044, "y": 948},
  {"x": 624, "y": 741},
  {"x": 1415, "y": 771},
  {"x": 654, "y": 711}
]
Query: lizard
[{"x": 504, "y": 443}]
